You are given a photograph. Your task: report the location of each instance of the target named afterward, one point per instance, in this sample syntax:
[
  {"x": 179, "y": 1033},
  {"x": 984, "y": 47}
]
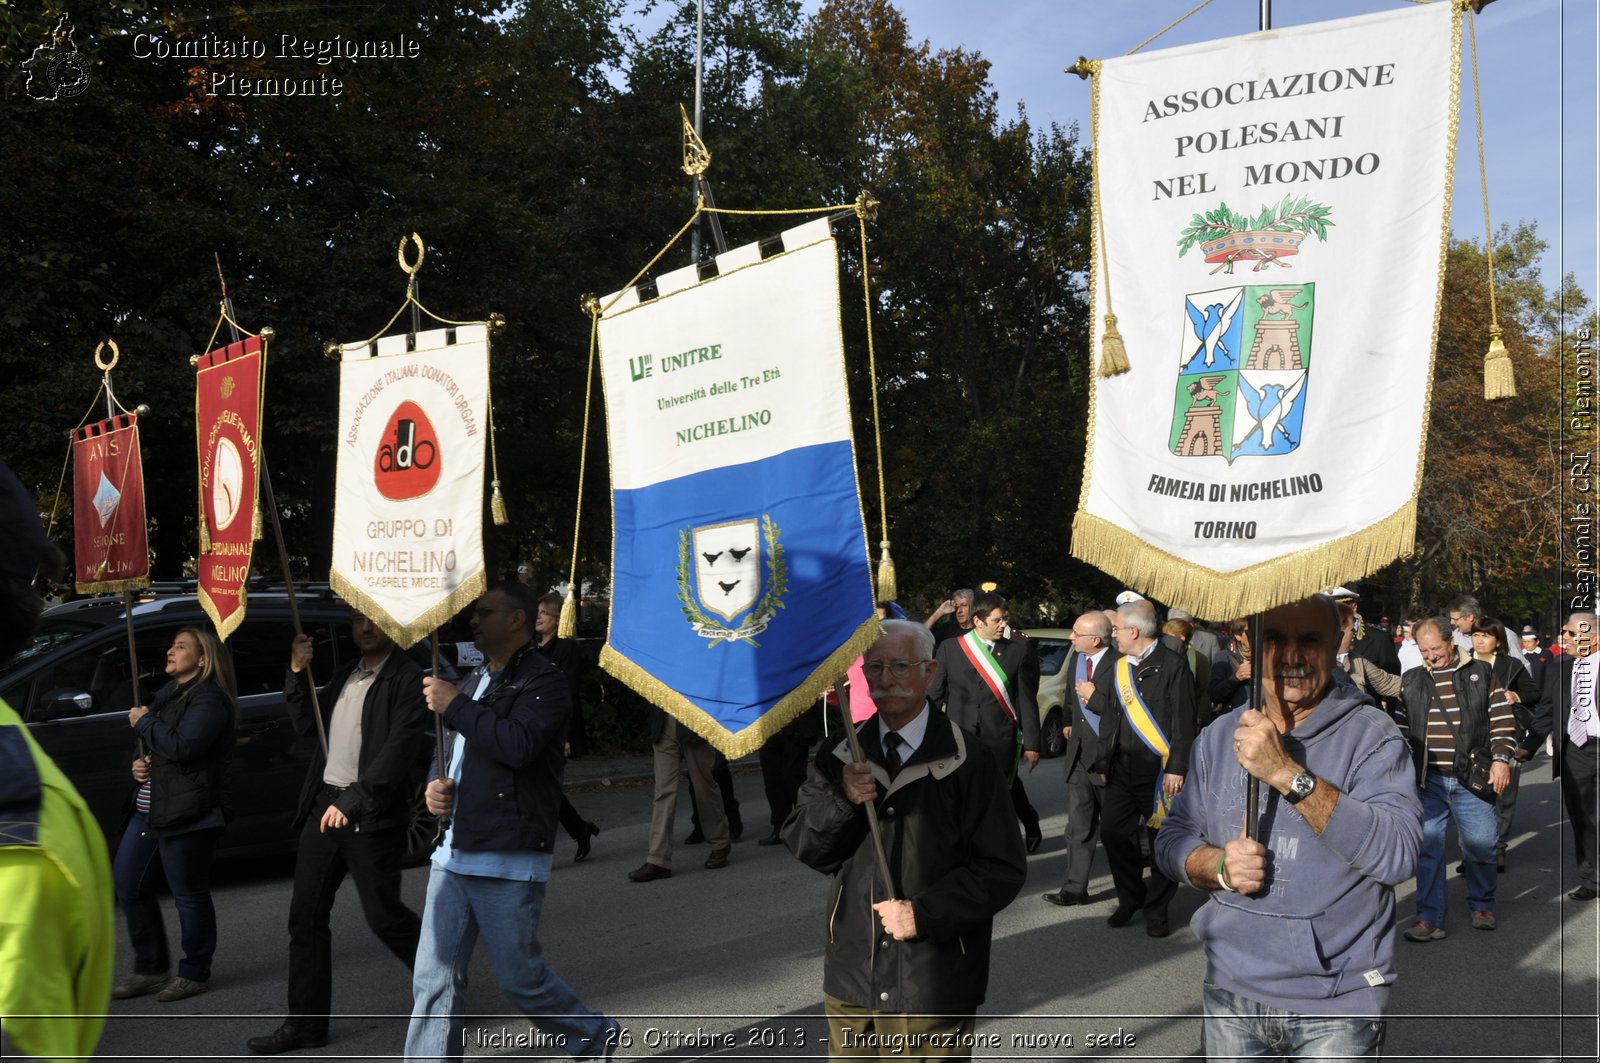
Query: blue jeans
[
  {"x": 1444, "y": 798},
  {"x": 506, "y": 913},
  {"x": 186, "y": 859},
  {"x": 1236, "y": 1027}
]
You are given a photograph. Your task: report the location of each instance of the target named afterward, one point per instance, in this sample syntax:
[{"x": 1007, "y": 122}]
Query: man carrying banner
[
  {"x": 1145, "y": 702},
  {"x": 955, "y": 861},
  {"x": 989, "y": 684},
  {"x": 355, "y": 808},
  {"x": 490, "y": 870},
  {"x": 1299, "y": 930}
]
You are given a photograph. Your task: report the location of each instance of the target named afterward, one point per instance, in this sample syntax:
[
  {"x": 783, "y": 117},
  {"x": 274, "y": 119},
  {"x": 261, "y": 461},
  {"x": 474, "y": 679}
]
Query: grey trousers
[
  {"x": 669, "y": 751},
  {"x": 1084, "y": 797}
]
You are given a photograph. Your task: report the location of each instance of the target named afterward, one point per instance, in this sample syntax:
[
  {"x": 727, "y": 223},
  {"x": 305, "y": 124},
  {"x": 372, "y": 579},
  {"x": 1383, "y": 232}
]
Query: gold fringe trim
[
  {"x": 734, "y": 745},
  {"x": 567, "y": 626},
  {"x": 224, "y": 629},
  {"x": 1113, "y": 353},
  {"x": 888, "y": 588},
  {"x": 1499, "y": 378},
  {"x": 115, "y": 586},
  {"x": 408, "y": 635},
  {"x": 1226, "y": 596}
]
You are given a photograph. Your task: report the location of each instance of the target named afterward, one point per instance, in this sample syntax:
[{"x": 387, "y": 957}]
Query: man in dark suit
[
  {"x": 989, "y": 684},
  {"x": 1091, "y": 652},
  {"x": 1568, "y": 703},
  {"x": 1138, "y": 778}
]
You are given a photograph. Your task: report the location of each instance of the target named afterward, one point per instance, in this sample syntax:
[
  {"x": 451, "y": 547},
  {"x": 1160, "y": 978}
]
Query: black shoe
[
  {"x": 772, "y": 839},
  {"x": 1063, "y": 899},
  {"x": 1461, "y": 868},
  {"x": 1156, "y": 926},
  {"x": 696, "y": 837},
  {"x": 1032, "y": 838},
  {"x": 718, "y": 859},
  {"x": 648, "y": 872},
  {"x": 735, "y": 829},
  {"x": 589, "y": 831},
  {"x": 1122, "y": 916},
  {"x": 286, "y": 1038},
  {"x": 1583, "y": 893}
]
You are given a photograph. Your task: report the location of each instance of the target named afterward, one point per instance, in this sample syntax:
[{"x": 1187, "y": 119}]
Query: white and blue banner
[{"x": 741, "y": 579}]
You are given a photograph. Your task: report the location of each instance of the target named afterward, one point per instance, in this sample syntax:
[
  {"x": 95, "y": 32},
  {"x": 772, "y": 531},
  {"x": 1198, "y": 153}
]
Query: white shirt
[
  {"x": 1585, "y": 672},
  {"x": 911, "y": 735}
]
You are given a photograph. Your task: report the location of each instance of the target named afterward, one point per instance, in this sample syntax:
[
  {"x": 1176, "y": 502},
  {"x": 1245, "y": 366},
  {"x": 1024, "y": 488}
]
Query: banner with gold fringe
[
  {"x": 111, "y": 544},
  {"x": 742, "y": 581},
  {"x": 227, "y": 421},
  {"x": 408, "y": 500},
  {"x": 1264, "y": 216}
]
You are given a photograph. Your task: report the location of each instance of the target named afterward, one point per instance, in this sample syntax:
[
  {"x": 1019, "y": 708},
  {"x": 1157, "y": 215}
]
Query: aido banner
[
  {"x": 408, "y": 506},
  {"x": 742, "y": 585},
  {"x": 227, "y": 418},
  {"x": 1275, "y": 210}
]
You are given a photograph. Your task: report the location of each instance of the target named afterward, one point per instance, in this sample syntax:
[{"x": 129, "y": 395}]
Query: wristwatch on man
[{"x": 1300, "y": 787}]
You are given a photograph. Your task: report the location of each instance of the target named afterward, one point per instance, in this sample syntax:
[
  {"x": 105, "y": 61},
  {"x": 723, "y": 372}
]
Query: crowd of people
[{"x": 1297, "y": 777}]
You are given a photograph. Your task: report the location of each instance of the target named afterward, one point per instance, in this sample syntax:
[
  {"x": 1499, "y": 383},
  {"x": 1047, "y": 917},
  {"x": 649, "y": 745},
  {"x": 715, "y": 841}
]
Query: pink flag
[{"x": 861, "y": 703}]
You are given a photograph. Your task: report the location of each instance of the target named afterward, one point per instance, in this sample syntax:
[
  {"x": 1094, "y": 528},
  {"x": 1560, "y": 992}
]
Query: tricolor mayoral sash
[
  {"x": 1275, "y": 210},
  {"x": 741, "y": 581},
  {"x": 227, "y": 421},
  {"x": 111, "y": 551},
  {"x": 408, "y": 505}
]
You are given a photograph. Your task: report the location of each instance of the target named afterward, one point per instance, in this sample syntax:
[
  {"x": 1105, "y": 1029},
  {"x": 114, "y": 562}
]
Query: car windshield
[
  {"x": 51, "y": 633},
  {"x": 1052, "y": 655}
]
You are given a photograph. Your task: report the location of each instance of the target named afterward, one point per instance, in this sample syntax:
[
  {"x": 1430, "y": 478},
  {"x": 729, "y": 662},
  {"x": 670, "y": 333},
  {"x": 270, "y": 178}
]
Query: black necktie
[{"x": 891, "y": 752}]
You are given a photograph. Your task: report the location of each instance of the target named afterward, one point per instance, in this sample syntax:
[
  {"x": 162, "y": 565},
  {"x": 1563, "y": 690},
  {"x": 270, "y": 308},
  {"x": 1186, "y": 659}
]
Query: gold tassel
[
  {"x": 887, "y": 591},
  {"x": 567, "y": 626},
  {"x": 255, "y": 524},
  {"x": 205, "y": 536},
  {"x": 497, "y": 505},
  {"x": 1499, "y": 379},
  {"x": 1113, "y": 355}
]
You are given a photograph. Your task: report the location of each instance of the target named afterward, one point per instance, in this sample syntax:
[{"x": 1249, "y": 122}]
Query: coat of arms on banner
[
  {"x": 726, "y": 560},
  {"x": 1244, "y": 370}
]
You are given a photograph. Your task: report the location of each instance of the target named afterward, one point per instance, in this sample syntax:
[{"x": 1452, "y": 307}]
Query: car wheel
[
  {"x": 1052, "y": 741},
  {"x": 422, "y": 833}
]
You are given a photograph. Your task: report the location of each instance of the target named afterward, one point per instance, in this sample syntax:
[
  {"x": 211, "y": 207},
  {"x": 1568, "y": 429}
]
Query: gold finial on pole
[
  {"x": 410, "y": 269},
  {"x": 116, "y": 354},
  {"x": 696, "y": 156}
]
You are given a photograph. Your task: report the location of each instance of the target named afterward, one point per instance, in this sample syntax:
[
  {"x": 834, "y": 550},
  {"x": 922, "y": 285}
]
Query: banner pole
[
  {"x": 1252, "y": 792},
  {"x": 438, "y": 733},
  {"x": 127, "y": 592},
  {"x": 271, "y": 500},
  {"x": 871, "y": 807}
]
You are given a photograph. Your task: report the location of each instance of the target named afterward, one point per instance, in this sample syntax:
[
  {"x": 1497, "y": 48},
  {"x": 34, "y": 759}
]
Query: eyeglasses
[{"x": 896, "y": 669}]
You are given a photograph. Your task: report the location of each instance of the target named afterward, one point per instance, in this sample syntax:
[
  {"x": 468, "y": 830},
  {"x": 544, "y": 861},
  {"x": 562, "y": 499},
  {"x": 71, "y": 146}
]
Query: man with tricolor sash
[
  {"x": 1145, "y": 703},
  {"x": 988, "y": 683}
]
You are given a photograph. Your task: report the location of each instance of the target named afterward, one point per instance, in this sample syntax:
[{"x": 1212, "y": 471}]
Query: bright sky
[{"x": 1536, "y": 64}]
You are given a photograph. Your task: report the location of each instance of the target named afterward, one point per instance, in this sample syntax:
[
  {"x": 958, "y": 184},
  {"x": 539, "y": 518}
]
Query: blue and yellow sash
[{"x": 1144, "y": 725}]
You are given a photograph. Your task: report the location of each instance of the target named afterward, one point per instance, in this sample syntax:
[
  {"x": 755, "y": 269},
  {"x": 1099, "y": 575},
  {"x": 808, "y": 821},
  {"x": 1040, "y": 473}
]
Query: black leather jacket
[
  {"x": 394, "y": 725},
  {"x": 510, "y": 787},
  {"x": 955, "y": 853},
  {"x": 1472, "y": 695}
]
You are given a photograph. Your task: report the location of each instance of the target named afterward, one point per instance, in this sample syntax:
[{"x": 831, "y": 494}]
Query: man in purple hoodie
[{"x": 1299, "y": 931}]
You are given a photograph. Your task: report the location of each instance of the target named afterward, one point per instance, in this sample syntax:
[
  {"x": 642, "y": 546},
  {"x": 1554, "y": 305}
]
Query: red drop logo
[{"x": 408, "y": 457}]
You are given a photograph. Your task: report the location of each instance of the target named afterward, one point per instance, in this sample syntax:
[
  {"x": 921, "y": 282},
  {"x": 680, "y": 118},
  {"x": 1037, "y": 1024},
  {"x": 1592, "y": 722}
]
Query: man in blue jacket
[
  {"x": 501, "y": 794},
  {"x": 1299, "y": 931}
]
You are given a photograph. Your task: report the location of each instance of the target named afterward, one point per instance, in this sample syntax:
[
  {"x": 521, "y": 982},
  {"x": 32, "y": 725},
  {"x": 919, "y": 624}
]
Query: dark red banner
[
  {"x": 227, "y": 420},
  {"x": 111, "y": 551}
]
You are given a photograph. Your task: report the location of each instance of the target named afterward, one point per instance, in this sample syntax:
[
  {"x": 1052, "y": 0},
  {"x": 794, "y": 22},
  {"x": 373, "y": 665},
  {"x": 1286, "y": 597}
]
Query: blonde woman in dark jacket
[{"x": 178, "y": 814}]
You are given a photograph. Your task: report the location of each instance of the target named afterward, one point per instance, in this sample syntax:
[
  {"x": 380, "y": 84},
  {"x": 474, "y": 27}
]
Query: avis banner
[
  {"x": 1273, "y": 250},
  {"x": 227, "y": 418},
  {"x": 408, "y": 505},
  {"x": 742, "y": 584},
  {"x": 111, "y": 551}
]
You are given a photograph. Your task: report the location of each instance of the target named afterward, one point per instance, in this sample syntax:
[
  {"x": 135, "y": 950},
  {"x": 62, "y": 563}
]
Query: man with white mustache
[
  {"x": 906, "y": 968},
  {"x": 1299, "y": 930}
]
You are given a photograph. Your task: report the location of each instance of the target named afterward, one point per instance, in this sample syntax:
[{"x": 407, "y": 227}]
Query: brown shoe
[
  {"x": 137, "y": 985},
  {"x": 182, "y": 988},
  {"x": 648, "y": 872},
  {"x": 718, "y": 858}
]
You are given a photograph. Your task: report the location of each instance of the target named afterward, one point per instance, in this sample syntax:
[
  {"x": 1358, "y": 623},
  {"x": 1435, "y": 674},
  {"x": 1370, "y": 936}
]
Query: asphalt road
[{"x": 727, "y": 963}]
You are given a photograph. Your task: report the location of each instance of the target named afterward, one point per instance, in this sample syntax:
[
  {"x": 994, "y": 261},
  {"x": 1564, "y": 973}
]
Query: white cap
[
  {"x": 1129, "y": 596},
  {"x": 1341, "y": 592}
]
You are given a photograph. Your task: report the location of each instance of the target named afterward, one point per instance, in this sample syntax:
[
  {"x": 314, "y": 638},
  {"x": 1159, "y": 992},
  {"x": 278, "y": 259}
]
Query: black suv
[{"x": 73, "y": 686}]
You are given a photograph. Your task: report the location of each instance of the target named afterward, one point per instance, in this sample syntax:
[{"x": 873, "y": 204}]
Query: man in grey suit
[{"x": 1091, "y": 651}]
